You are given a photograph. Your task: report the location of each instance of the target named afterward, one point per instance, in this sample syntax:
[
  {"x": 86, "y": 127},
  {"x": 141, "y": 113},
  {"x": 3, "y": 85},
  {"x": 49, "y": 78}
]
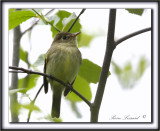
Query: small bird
[{"x": 62, "y": 61}]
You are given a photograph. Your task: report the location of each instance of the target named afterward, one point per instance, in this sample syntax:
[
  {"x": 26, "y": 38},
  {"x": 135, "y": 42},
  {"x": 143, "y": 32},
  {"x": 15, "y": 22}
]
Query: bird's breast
[{"x": 64, "y": 63}]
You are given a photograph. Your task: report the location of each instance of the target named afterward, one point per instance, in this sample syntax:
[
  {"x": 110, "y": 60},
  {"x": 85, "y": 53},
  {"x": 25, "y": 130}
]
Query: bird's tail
[{"x": 56, "y": 103}]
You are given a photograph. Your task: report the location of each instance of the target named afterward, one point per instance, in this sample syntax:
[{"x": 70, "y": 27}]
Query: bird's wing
[{"x": 45, "y": 82}]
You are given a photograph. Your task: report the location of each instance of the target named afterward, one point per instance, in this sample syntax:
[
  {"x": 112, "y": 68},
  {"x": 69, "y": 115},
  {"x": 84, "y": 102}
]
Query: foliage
[
  {"x": 40, "y": 60},
  {"x": 30, "y": 107},
  {"x": 88, "y": 73},
  {"x": 49, "y": 118},
  {"x": 75, "y": 109},
  {"x": 24, "y": 56},
  {"x": 61, "y": 20},
  {"x": 16, "y": 17},
  {"x": 85, "y": 40},
  {"x": 136, "y": 11},
  {"x": 28, "y": 82},
  {"x": 12, "y": 91},
  {"x": 127, "y": 76}
]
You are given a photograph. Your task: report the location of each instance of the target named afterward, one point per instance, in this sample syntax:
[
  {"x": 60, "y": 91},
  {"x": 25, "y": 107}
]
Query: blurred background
[{"x": 128, "y": 88}]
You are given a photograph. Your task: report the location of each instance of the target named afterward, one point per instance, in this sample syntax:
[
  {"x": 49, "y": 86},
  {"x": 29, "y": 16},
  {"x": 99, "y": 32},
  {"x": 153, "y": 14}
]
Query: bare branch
[
  {"x": 14, "y": 77},
  {"x": 132, "y": 35},
  {"x": 30, "y": 111},
  {"x": 16, "y": 72},
  {"x": 53, "y": 78},
  {"x": 76, "y": 19},
  {"x": 105, "y": 68}
]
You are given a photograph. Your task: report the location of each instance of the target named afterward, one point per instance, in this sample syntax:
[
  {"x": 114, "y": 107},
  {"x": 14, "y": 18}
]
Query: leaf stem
[
  {"x": 44, "y": 20},
  {"x": 36, "y": 12}
]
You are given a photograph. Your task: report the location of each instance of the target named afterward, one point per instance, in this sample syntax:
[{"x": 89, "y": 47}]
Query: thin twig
[
  {"x": 36, "y": 22},
  {"x": 36, "y": 12},
  {"x": 53, "y": 78},
  {"x": 30, "y": 111},
  {"x": 46, "y": 21},
  {"x": 131, "y": 35},
  {"x": 76, "y": 19},
  {"x": 54, "y": 27}
]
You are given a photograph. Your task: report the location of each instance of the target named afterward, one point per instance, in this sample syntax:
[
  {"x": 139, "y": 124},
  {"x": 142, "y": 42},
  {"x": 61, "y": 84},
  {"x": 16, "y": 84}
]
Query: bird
[{"x": 62, "y": 60}]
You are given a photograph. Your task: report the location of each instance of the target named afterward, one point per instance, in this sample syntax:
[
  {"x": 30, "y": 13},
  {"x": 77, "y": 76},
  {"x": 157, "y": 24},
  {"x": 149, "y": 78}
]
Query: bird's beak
[{"x": 75, "y": 34}]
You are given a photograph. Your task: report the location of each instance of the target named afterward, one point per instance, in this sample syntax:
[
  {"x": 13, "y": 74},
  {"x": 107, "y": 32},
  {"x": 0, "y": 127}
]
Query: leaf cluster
[{"x": 127, "y": 76}]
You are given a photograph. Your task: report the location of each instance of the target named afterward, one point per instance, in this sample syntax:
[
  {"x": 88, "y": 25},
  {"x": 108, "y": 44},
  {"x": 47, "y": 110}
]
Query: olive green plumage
[{"x": 62, "y": 61}]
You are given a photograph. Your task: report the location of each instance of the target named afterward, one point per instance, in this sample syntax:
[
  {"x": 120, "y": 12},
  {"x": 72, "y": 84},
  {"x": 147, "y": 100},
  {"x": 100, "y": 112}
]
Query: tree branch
[
  {"x": 45, "y": 21},
  {"x": 76, "y": 19},
  {"x": 132, "y": 35},
  {"x": 36, "y": 22},
  {"x": 53, "y": 78},
  {"x": 105, "y": 68},
  {"x": 30, "y": 111},
  {"x": 14, "y": 78}
]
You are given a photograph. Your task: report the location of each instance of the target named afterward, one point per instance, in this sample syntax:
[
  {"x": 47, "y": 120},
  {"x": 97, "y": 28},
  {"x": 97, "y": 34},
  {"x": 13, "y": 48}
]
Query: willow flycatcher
[{"x": 62, "y": 61}]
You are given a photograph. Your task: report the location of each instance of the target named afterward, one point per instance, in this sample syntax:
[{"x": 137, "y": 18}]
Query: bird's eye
[{"x": 64, "y": 37}]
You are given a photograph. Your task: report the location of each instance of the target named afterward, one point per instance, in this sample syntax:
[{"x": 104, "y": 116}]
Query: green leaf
[
  {"x": 53, "y": 19},
  {"x": 127, "y": 67},
  {"x": 90, "y": 71},
  {"x": 17, "y": 17},
  {"x": 127, "y": 76},
  {"x": 13, "y": 91},
  {"x": 64, "y": 22},
  {"x": 142, "y": 65},
  {"x": 40, "y": 60},
  {"x": 44, "y": 19},
  {"x": 24, "y": 55},
  {"x": 75, "y": 109},
  {"x": 85, "y": 40},
  {"x": 75, "y": 28},
  {"x": 82, "y": 86},
  {"x": 48, "y": 117},
  {"x": 28, "y": 82},
  {"x": 57, "y": 119},
  {"x": 11, "y": 10},
  {"x": 31, "y": 107},
  {"x": 136, "y": 11},
  {"x": 116, "y": 68},
  {"x": 54, "y": 31},
  {"x": 62, "y": 14}
]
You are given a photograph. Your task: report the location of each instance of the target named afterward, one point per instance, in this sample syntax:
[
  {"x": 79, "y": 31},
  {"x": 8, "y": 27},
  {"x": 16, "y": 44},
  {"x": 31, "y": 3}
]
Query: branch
[
  {"x": 53, "y": 78},
  {"x": 132, "y": 35},
  {"x": 16, "y": 72},
  {"x": 45, "y": 21},
  {"x": 76, "y": 19},
  {"x": 36, "y": 22},
  {"x": 105, "y": 68},
  {"x": 14, "y": 79},
  {"x": 30, "y": 111}
]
